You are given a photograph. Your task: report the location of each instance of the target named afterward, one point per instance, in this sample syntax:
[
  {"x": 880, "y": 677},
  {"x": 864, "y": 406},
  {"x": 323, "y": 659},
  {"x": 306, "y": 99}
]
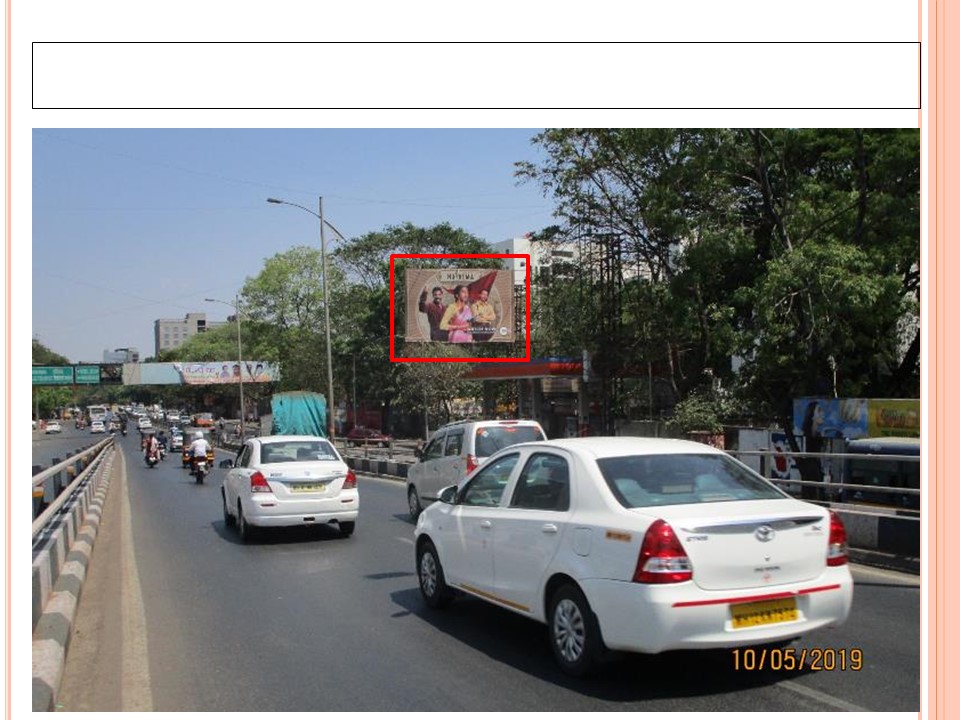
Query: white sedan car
[
  {"x": 53, "y": 426},
  {"x": 286, "y": 480},
  {"x": 97, "y": 426},
  {"x": 635, "y": 544}
]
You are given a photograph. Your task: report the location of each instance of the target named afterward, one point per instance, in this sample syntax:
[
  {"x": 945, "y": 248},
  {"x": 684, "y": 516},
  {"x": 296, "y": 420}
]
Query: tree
[
  {"x": 363, "y": 314},
  {"x": 42, "y": 355},
  {"x": 788, "y": 250}
]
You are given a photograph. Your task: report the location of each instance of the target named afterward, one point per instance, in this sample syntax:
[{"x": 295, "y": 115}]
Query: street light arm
[{"x": 326, "y": 222}]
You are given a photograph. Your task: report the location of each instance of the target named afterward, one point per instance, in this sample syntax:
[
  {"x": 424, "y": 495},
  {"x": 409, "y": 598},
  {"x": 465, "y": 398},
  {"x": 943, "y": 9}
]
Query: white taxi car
[
  {"x": 635, "y": 544},
  {"x": 285, "y": 480}
]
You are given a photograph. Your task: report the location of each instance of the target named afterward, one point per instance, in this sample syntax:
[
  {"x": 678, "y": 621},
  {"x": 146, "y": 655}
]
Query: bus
[
  {"x": 874, "y": 469},
  {"x": 97, "y": 412}
]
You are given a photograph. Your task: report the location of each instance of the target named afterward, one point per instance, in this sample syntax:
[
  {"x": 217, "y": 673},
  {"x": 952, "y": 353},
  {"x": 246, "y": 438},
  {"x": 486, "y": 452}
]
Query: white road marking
[
  {"x": 409, "y": 541},
  {"x": 135, "y": 692},
  {"x": 821, "y": 697}
]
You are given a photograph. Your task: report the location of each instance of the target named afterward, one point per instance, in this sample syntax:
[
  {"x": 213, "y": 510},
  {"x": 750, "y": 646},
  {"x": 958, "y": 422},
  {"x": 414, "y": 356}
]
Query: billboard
[
  {"x": 199, "y": 373},
  {"x": 459, "y": 305},
  {"x": 225, "y": 372},
  {"x": 853, "y": 418}
]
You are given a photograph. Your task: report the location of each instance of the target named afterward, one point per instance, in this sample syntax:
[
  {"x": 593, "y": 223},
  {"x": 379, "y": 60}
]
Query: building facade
[
  {"x": 172, "y": 333},
  {"x": 121, "y": 355},
  {"x": 547, "y": 258}
]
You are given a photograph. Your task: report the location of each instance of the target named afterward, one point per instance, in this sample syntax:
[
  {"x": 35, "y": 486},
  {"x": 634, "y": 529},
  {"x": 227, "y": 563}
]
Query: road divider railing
[{"x": 63, "y": 538}]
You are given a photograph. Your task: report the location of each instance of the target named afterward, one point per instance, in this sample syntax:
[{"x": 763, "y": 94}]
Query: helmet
[{"x": 198, "y": 435}]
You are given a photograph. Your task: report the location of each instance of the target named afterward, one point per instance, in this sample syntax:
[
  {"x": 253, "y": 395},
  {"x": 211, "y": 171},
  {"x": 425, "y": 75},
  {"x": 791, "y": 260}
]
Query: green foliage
[
  {"x": 42, "y": 355},
  {"x": 789, "y": 249},
  {"x": 698, "y": 411}
]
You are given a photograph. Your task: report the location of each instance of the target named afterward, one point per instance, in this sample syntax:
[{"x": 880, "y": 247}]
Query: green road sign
[
  {"x": 87, "y": 374},
  {"x": 53, "y": 376}
]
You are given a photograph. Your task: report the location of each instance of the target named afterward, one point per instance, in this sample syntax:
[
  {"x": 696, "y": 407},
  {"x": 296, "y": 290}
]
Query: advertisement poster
[
  {"x": 830, "y": 418},
  {"x": 893, "y": 418},
  {"x": 224, "y": 372},
  {"x": 459, "y": 305}
]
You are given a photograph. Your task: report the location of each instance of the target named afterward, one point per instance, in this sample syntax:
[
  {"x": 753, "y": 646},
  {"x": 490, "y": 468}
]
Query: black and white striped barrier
[
  {"x": 62, "y": 548},
  {"x": 373, "y": 466}
]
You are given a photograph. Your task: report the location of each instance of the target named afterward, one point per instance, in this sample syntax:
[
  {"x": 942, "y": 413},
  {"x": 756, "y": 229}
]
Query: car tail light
[
  {"x": 258, "y": 483},
  {"x": 837, "y": 547},
  {"x": 471, "y": 463},
  {"x": 351, "y": 481},
  {"x": 662, "y": 558}
]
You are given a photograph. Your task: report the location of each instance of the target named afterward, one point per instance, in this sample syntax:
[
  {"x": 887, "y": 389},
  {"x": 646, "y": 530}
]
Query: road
[
  {"x": 60, "y": 445},
  {"x": 178, "y": 615}
]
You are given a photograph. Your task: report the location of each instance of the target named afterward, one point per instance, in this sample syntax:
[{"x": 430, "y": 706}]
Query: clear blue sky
[{"x": 132, "y": 225}]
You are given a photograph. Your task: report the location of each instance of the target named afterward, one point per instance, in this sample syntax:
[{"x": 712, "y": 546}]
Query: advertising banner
[
  {"x": 459, "y": 305},
  {"x": 853, "y": 418},
  {"x": 894, "y": 418},
  {"x": 830, "y": 418},
  {"x": 224, "y": 372}
]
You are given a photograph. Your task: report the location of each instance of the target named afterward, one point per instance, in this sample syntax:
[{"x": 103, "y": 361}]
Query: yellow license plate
[
  {"x": 766, "y": 612},
  {"x": 303, "y": 488}
]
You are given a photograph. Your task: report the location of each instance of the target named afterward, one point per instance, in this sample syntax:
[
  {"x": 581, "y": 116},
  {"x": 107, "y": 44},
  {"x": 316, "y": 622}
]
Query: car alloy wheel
[
  {"x": 433, "y": 586},
  {"x": 574, "y": 632},
  {"x": 413, "y": 503}
]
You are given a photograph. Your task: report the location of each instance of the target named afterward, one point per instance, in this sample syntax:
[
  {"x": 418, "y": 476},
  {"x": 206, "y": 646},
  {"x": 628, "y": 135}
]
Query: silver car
[{"x": 456, "y": 449}]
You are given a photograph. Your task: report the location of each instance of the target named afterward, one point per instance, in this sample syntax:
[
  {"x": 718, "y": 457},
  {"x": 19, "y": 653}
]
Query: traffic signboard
[
  {"x": 87, "y": 374},
  {"x": 53, "y": 376}
]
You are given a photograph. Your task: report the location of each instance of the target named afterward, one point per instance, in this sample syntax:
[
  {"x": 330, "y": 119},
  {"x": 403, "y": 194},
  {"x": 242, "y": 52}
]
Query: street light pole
[
  {"x": 236, "y": 308},
  {"x": 331, "y": 426}
]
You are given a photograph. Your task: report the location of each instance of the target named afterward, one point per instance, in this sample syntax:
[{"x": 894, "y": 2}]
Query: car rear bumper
[
  {"x": 271, "y": 513},
  {"x": 656, "y": 618}
]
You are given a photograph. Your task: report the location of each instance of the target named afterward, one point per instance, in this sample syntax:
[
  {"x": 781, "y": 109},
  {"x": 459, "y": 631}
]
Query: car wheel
[
  {"x": 574, "y": 632},
  {"x": 413, "y": 503},
  {"x": 346, "y": 528},
  {"x": 433, "y": 586},
  {"x": 245, "y": 528},
  {"x": 228, "y": 519}
]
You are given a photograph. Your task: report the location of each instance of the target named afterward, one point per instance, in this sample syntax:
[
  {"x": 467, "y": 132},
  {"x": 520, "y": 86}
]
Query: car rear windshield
[
  {"x": 491, "y": 438},
  {"x": 297, "y": 451},
  {"x": 651, "y": 480}
]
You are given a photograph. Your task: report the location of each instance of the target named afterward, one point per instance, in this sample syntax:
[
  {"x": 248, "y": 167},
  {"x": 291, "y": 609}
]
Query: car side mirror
[
  {"x": 418, "y": 453},
  {"x": 228, "y": 463},
  {"x": 449, "y": 495}
]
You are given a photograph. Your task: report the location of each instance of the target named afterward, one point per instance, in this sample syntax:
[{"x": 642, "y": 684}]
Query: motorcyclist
[
  {"x": 199, "y": 447},
  {"x": 150, "y": 446}
]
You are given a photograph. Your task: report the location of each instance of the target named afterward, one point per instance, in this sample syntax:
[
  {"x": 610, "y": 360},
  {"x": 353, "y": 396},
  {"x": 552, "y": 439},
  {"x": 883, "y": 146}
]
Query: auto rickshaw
[{"x": 187, "y": 457}]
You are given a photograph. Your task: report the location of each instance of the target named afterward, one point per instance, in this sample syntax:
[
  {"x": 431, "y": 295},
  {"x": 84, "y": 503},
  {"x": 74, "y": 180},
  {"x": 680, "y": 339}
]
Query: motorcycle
[
  {"x": 152, "y": 458},
  {"x": 200, "y": 469}
]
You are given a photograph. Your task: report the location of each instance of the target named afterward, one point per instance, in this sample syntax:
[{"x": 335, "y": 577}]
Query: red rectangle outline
[{"x": 393, "y": 356}]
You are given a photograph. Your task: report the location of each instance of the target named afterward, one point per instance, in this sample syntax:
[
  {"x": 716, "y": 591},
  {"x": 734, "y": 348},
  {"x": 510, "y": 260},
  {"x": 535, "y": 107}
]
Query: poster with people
[
  {"x": 831, "y": 418},
  {"x": 459, "y": 305},
  {"x": 225, "y": 372}
]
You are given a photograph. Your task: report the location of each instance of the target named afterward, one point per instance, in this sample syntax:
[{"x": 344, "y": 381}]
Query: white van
[{"x": 456, "y": 449}]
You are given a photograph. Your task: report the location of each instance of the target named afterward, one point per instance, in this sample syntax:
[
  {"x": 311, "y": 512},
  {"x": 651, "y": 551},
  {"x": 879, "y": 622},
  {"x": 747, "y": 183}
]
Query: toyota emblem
[{"x": 764, "y": 533}]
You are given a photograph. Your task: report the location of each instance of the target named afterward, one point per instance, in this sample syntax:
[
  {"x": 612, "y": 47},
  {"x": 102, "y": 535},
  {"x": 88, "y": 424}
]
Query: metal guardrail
[
  {"x": 836, "y": 487},
  {"x": 50, "y": 494}
]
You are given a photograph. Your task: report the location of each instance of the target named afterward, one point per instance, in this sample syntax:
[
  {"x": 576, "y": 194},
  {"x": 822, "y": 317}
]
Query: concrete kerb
[{"x": 65, "y": 570}]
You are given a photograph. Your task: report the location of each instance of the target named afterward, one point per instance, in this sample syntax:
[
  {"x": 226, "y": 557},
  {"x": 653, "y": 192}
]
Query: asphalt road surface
[{"x": 178, "y": 615}]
